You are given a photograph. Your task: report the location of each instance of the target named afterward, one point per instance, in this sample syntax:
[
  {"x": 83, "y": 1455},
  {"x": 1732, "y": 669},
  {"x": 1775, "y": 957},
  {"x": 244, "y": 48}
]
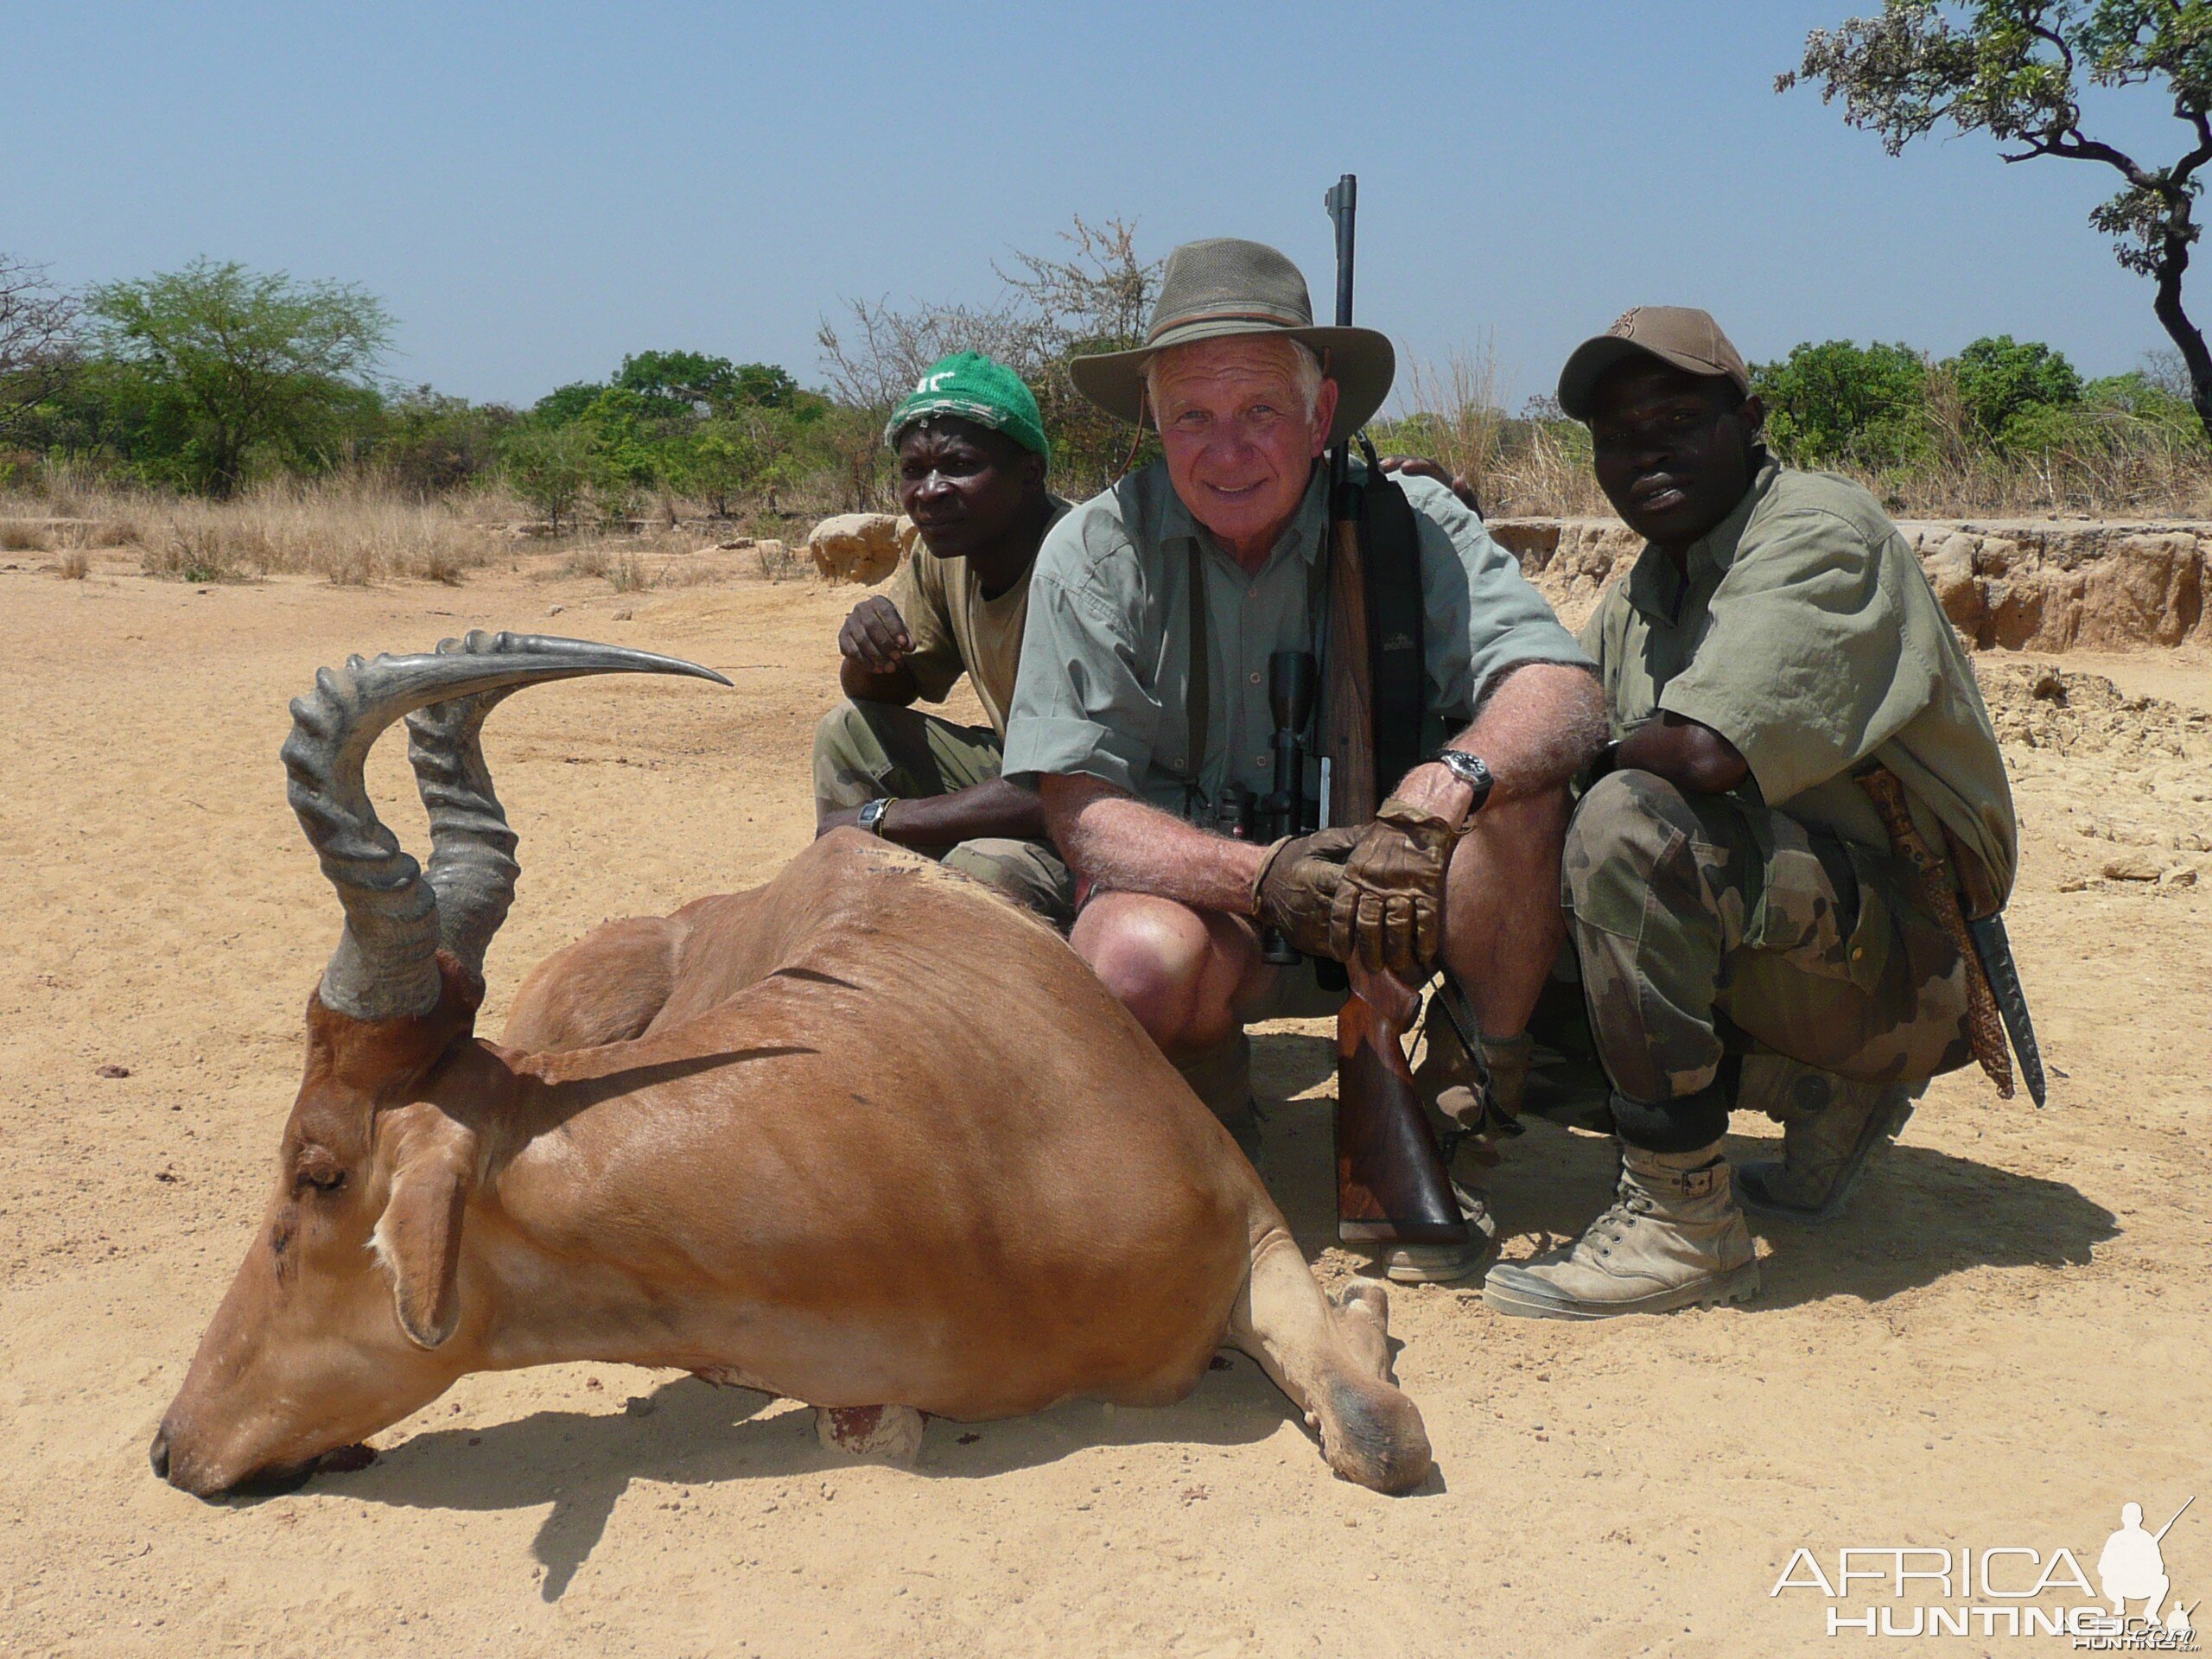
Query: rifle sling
[
  {"x": 1199, "y": 692},
  {"x": 1390, "y": 541}
]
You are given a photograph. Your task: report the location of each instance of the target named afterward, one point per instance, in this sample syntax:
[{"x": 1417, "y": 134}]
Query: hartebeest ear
[{"x": 418, "y": 1237}]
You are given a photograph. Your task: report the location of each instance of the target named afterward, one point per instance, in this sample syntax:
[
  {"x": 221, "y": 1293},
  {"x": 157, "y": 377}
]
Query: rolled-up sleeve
[
  {"x": 1484, "y": 616},
  {"x": 1080, "y": 704},
  {"x": 1807, "y": 665}
]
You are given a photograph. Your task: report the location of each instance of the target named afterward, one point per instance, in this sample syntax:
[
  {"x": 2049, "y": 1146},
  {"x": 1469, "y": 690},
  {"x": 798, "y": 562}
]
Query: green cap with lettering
[{"x": 975, "y": 388}]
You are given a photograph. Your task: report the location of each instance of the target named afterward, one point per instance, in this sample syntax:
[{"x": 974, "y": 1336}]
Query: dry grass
[
  {"x": 98, "y": 532},
  {"x": 2109, "y": 479},
  {"x": 347, "y": 529},
  {"x": 674, "y": 557},
  {"x": 349, "y": 535},
  {"x": 19, "y": 536},
  {"x": 1454, "y": 414},
  {"x": 76, "y": 565}
]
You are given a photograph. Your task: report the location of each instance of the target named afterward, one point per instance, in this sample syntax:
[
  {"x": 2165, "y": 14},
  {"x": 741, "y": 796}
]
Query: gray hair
[{"x": 1304, "y": 368}]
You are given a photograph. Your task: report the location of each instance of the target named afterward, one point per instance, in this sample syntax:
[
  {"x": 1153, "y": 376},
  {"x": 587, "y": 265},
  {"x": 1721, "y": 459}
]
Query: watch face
[{"x": 1468, "y": 768}]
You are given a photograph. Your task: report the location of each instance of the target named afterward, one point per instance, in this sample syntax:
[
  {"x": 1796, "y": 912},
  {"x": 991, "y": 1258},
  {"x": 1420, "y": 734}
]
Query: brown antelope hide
[{"x": 867, "y": 1136}]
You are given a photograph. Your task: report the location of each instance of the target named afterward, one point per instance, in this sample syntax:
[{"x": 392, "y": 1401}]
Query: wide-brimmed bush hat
[{"x": 1224, "y": 287}]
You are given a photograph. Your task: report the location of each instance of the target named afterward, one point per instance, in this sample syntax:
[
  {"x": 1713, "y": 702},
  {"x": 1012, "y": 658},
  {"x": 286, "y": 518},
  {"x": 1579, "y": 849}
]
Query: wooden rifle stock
[{"x": 1392, "y": 1186}]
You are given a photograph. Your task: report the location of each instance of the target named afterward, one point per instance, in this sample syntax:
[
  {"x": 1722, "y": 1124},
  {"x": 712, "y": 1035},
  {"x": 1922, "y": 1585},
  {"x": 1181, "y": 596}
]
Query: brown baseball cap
[{"x": 1678, "y": 335}]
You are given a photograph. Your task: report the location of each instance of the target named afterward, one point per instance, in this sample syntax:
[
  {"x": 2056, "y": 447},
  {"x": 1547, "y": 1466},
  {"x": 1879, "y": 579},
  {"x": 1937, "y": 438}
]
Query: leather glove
[
  {"x": 1296, "y": 888},
  {"x": 1389, "y": 903}
]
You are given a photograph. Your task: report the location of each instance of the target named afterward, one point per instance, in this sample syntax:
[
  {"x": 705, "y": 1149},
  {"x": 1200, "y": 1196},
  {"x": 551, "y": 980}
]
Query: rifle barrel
[
  {"x": 2159, "y": 1535},
  {"x": 1343, "y": 209}
]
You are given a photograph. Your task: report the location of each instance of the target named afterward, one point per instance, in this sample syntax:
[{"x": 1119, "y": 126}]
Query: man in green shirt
[
  {"x": 1745, "y": 934},
  {"x": 1143, "y": 702},
  {"x": 972, "y": 459}
]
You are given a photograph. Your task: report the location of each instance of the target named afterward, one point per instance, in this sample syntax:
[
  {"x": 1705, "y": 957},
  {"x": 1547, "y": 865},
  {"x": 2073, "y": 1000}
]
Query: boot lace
[{"x": 1630, "y": 1206}]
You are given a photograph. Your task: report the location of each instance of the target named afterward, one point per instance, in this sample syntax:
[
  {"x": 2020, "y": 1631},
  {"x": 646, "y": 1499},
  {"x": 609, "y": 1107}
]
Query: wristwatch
[
  {"x": 871, "y": 817},
  {"x": 1469, "y": 770}
]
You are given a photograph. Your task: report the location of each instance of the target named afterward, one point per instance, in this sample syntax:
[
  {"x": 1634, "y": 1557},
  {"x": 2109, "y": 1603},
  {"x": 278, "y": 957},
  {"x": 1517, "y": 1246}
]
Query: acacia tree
[
  {"x": 232, "y": 358},
  {"x": 549, "y": 466},
  {"x": 2017, "y": 69}
]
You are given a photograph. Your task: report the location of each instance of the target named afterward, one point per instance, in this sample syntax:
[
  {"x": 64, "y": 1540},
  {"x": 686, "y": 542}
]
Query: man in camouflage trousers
[{"x": 1745, "y": 936}]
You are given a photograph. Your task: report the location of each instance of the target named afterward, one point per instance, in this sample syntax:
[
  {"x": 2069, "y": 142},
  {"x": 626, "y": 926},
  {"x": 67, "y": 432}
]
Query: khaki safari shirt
[
  {"x": 1808, "y": 635},
  {"x": 956, "y": 630},
  {"x": 1106, "y": 667}
]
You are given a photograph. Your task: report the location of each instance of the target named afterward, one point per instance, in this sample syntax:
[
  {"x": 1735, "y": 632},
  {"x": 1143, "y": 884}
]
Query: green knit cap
[{"x": 977, "y": 388}]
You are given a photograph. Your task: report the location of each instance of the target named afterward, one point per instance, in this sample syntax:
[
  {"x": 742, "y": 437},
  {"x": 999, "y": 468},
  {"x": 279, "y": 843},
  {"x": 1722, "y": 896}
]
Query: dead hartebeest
[{"x": 867, "y": 1136}]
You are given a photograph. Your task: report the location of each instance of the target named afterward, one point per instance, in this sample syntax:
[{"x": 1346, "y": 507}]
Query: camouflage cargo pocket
[{"x": 1817, "y": 906}]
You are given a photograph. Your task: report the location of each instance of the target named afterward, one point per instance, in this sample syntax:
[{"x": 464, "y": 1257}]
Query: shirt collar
[
  {"x": 1305, "y": 537},
  {"x": 1654, "y": 586}
]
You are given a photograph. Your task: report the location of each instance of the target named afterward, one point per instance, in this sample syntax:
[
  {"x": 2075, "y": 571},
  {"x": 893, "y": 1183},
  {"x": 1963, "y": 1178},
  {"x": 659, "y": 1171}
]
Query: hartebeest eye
[{"x": 321, "y": 1173}]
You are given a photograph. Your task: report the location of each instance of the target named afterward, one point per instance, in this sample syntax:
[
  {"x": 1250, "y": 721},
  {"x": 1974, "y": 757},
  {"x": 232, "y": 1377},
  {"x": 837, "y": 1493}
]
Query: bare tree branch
[{"x": 38, "y": 339}]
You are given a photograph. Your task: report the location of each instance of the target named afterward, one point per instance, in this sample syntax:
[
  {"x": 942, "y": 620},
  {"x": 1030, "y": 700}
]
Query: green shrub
[
  {"x": 1837, "y": 404},
  {"x": 1999, "y": 378}
]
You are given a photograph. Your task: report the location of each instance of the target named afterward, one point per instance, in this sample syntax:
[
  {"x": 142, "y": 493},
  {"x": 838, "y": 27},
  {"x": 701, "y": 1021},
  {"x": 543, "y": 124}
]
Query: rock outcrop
[
  {"x": 2032, "y": 585},
  {"x": 854, "y": 547}
]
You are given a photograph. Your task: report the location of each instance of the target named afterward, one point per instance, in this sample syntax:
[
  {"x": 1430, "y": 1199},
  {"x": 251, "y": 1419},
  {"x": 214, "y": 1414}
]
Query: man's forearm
[
  {"x": 1537, "y": 728},
  {"x": 992, "y": 810},
  {"x": 1685, "y": 753},
  {"x": 1125, "y": 846}
]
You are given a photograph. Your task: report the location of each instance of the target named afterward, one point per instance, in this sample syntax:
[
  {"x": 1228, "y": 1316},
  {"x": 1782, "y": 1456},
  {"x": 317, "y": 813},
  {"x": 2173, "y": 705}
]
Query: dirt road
[{"x": 2003, "y": 1339}]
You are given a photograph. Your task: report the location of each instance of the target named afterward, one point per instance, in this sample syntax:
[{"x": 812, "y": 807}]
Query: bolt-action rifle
[{"x": 1392, "y": 1186}]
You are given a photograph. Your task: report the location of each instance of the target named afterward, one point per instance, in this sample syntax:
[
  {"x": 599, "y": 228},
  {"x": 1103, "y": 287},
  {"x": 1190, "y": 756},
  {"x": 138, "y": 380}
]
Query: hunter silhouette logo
[
  {"x": 2008, "y": 1590},
  {"x": 2132, "y": 1567}
]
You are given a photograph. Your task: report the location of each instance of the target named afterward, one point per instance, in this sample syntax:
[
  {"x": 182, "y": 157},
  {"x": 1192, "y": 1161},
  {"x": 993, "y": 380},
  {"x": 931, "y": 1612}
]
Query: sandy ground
[{"x": 2001, "y": 1341}]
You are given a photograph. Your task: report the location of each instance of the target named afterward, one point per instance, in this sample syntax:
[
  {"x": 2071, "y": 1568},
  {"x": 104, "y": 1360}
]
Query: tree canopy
[
  {"x": 2018, "y": 70},
  {"x": 225, "y": 360},
  {"x": 1837, "y": 402}
]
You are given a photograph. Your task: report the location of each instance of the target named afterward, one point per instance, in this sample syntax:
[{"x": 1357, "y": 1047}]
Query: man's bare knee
[{"x": 1158, "y": 958}]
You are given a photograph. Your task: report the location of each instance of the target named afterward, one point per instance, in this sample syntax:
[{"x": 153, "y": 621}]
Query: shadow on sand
[
  {"x": 690, "y": 1433},
  {"x": 1916, "y": 1215}
]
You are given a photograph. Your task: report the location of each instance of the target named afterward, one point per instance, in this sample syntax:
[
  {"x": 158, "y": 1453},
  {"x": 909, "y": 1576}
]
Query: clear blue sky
[{"x": 534, "y": 190}]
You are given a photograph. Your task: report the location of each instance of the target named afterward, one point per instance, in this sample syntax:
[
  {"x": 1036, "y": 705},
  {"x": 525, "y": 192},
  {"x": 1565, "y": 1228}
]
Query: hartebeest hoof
[{"x": 882, "y": 1433}]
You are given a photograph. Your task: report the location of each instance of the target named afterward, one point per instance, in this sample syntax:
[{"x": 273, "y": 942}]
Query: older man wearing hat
[
  {"x": 1745, "y": 933},
  {"x": 1142, "y": 701}
]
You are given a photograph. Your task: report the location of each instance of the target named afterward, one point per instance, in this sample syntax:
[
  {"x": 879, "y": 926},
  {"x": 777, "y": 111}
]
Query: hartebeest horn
[{"x": 385, "y": 966}]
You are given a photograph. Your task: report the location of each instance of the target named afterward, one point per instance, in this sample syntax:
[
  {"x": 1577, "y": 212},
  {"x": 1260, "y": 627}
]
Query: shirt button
[
  {"x": 1255, "y": 676},
  {"x": 1859, "y": 953},
  {"x": 1259, "y": 760},
  {"x": 1253, "y": 592}
]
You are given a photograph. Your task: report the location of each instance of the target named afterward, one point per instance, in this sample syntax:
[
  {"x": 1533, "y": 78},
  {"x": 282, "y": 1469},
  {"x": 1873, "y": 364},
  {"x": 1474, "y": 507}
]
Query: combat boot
[
  {"x": 1674, "y": 1237},
  {"x": 1830, "y": 1127}
]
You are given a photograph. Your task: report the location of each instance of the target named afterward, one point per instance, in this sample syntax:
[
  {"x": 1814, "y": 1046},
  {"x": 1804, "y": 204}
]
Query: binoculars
[{"x": 1282, "y": 810}]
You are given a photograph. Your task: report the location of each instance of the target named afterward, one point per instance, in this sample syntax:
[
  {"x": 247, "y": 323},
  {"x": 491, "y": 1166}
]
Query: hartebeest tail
[{"x": 867, "y": 1136}]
